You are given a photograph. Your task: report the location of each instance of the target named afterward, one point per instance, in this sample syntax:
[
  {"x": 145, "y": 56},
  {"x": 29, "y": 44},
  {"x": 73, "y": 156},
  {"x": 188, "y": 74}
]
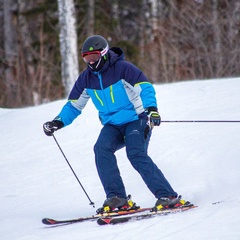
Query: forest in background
[{"x": 169, "y": 40}]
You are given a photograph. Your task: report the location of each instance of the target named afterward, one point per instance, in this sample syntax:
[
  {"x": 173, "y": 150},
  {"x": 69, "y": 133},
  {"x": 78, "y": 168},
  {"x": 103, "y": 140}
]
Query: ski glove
[
  {"x": 50, "y": 127},
  {"x": 154, "y": 117}
]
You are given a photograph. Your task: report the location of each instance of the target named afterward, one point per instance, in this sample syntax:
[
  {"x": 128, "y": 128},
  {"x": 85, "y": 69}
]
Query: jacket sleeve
[
  {"x": 77, "y": 100},
  {"x": 141, "y": 84}
]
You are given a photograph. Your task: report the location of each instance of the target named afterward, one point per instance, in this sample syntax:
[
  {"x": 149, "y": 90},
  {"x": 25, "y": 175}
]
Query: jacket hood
[{"x": 115, "y": 54}]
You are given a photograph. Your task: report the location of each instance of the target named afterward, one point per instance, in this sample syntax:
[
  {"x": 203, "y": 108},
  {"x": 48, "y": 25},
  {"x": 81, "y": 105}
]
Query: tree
[
  {"x": 90, "y": 18},
  {"x": 68, "y": 43},
  {"x": 10, "y": 50},
  {"x": 169, "y": 40}
]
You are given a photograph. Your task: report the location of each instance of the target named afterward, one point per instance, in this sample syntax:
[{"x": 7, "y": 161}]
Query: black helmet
[
  {"x": 95, "y": 43},
  {"x": 94, "y": 52}
]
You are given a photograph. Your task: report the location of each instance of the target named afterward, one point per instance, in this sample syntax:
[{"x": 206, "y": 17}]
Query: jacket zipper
[{"x": 111, "y": 91}]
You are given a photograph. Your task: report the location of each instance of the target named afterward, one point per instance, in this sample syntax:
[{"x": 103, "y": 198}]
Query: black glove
[
  {"x": 50, "y": 127},
  {"x": 155, "y": 119}
]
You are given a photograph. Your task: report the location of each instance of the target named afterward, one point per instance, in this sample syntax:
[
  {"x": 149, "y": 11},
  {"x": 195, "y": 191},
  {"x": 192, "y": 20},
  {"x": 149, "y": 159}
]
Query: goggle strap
[{"x": 105, "y": 50}]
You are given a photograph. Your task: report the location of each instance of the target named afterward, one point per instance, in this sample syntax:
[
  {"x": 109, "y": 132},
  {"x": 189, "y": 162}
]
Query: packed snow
[{"x": 201, "y": 161}]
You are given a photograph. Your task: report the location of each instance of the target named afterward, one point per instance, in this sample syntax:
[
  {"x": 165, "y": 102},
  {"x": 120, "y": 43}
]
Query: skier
[{"x": 128, "y": 111}]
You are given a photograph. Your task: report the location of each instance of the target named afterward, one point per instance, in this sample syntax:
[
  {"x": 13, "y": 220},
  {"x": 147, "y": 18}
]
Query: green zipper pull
[{"x": 99, "y": 99}]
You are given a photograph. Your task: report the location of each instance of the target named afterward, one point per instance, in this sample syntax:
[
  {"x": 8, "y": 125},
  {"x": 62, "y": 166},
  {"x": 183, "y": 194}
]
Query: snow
[{"x": 201, "y": 161}]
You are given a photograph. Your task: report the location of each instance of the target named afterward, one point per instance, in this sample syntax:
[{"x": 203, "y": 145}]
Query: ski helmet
[{"x": 94, "y": 51}]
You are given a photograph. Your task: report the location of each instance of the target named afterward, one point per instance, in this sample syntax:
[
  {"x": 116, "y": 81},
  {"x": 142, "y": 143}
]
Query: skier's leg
[
  {"x": 136, "y": 147},
  {"x": 109, "y": 140}
]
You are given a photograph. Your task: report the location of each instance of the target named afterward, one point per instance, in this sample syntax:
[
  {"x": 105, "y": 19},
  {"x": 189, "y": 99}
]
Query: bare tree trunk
[
  {"x": 2, "y": 84},
  {"x": 217, "y": 39},
  {"x": 154, "y": 53},
  {"x": 154, "y": 39},
  {"x": 115, "y": 15},
  {"x": 27, "y": 79},
  {"x": 232, "y": 60},
  {"x": 10, "y": 48},
  {"x": 90, "y": 17},
  {"x": 68, "y": 43}
]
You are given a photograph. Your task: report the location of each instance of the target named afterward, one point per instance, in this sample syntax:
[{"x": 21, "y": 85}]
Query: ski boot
[
  {"x": 115, "y": 204},
  {"x": 169, "y": 202}
]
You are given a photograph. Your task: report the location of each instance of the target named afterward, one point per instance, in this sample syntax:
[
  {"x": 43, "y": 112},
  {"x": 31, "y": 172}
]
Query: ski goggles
[{"x": 92, "y": 56}]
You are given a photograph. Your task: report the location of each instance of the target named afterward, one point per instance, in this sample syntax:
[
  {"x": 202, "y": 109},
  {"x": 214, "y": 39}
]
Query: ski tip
[{"x": 48, "y": 221}]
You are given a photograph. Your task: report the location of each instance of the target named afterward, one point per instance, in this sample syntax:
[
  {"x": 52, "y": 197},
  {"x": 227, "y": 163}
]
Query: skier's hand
[
  {"x": 50, "y": 127},
  {"x": 154, "y": 117}
]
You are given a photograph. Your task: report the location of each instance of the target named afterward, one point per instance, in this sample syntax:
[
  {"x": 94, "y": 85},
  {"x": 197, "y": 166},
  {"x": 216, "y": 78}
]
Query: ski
[
  {"x": 123, "y": 219},
  {"x": 55, "y": 222},
  {"x": 119, "y": 216}
]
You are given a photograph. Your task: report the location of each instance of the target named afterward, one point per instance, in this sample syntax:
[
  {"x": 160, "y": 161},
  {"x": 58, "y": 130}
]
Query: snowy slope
[{"x": 201, "y": 161}]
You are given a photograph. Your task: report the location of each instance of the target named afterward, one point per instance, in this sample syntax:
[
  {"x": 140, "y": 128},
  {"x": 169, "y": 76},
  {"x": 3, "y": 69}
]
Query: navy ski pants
[{"x": 135, "y": 137}]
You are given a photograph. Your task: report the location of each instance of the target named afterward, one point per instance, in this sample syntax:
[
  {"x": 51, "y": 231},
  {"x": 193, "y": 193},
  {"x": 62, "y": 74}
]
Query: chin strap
[{"x": 96, "y": 66}]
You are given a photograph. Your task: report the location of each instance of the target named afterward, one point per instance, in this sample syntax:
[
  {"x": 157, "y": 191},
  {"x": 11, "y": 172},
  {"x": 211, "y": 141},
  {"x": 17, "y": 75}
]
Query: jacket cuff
[
  {"x": 151, "y": 109},
  {"x": 59, "y": 123}
]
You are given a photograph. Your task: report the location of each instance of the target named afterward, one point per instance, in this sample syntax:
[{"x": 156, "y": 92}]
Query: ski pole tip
[{"x": 92, "y": 203}]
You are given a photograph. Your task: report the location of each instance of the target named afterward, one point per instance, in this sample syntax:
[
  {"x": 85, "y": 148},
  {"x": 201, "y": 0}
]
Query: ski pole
[
  {"x": 91, "y": 202},
  {"x": 200, "y": 121}
]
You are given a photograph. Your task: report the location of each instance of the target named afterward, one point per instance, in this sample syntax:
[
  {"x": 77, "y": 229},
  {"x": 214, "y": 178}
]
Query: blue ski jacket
[{"x": 120, "y": 92}]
